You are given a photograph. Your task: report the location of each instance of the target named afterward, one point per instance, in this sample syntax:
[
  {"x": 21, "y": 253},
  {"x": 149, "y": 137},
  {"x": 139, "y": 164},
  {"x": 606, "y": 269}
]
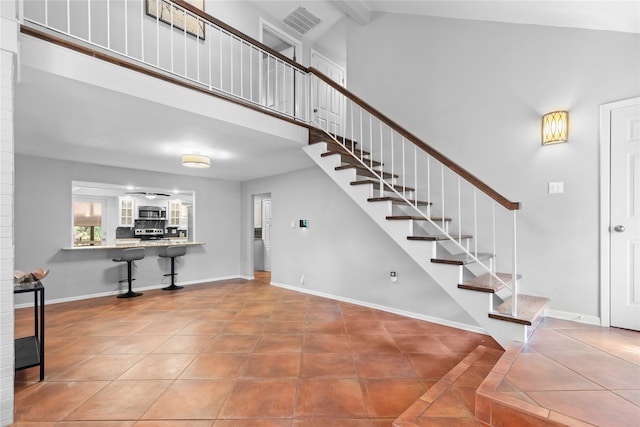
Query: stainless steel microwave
[{"x": 152, "y": 212}]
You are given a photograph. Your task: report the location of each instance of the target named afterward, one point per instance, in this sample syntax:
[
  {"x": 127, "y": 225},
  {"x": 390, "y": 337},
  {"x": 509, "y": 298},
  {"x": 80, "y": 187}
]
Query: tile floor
[
  {"x": 567, "y": 374},
  {"x": 231, "y": 354}
]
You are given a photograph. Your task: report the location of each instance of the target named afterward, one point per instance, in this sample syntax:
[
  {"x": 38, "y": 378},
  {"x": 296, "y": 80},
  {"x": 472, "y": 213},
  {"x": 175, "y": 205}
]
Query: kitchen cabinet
[
  {"x": 177, "y": 214},
  {"x": 173, "y": 218},
  {"x": 126, "y": 211}
]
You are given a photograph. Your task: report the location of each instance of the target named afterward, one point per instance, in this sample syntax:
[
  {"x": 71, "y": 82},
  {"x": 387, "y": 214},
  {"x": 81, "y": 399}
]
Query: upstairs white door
[
  {"x": 266, "y": 233},
  {"x": 329, "y": 103},
  {"x": 625, "y": 217}
]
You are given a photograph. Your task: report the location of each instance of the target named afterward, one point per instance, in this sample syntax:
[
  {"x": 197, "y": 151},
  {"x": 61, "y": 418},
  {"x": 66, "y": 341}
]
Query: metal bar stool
[
  {"x": 173, "y": 252},
  {"x": 128, "y": 256}
]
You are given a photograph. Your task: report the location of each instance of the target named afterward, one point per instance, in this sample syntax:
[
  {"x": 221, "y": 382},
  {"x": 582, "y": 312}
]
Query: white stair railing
[
  {"x": 174, "y": 38},
  {"x": 423, "y": 174},
  {"x": 183, "y": 42}
]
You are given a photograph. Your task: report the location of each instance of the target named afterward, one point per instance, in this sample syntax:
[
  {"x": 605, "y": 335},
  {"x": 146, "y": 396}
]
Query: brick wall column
[{"x": 8, "y": 59}]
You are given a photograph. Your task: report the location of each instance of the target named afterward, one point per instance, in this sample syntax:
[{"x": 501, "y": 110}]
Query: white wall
[
  {"x": 8, "y": 55},
  {"x": 343, "y": 252},
  {"x": 476, "y": 91},
  {"x": 43, "y": 224}
]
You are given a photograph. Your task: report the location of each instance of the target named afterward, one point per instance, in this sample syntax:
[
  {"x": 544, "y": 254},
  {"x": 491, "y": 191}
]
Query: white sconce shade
[
  {"x": 195, "y": 161},
  {"x": 555, "y": 127}
]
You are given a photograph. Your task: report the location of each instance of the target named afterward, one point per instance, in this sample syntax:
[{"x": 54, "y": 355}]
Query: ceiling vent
[{"x": 301, "y": 20}]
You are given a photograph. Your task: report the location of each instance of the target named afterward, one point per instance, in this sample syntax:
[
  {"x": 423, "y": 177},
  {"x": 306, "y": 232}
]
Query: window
[{"x": 87, "y": 223}]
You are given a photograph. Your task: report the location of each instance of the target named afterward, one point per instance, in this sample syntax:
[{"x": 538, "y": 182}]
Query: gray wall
[
  {"x": 343, "y": 253},
  {"x": 43, "y": 223},
  {"x": 476, "y": 91}
]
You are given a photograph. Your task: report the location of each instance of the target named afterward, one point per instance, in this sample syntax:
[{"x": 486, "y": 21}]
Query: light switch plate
[{"x": 556, "y": 187}]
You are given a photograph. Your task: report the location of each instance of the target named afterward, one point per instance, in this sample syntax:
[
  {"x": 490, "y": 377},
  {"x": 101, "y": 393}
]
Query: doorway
[
  {"x": 279, "y": 41},
  {"x": 620, "y": 214},
  {"x": 261, "y": 233},
  {"x": 278, "y": 83}
]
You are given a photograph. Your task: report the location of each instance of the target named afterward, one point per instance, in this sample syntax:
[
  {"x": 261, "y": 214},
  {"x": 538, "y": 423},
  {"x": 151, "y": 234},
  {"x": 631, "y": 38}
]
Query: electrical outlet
[
  {"x": 302, "y": 279},
  {"x": 394, "y": 276}
]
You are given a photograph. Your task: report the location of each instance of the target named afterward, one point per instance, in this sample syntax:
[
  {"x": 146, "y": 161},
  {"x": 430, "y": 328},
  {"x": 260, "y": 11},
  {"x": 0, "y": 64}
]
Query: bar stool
[
  {"x": 173, "y": 252},
  {"x": 128, "y": 256}
]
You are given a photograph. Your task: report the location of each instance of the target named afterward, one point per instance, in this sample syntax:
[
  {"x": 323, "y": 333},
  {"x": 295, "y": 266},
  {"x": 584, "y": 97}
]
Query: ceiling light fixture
[
  {"x": 555, "y": 127},
  {"x": 195, "y": 161}
]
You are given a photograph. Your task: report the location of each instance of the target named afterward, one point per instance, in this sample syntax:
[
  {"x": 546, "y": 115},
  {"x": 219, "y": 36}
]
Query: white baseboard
[
  {"x": 437, "y": 320},
  {"x": 574, "y": 317},
  {"x": 111, "y": 293}
]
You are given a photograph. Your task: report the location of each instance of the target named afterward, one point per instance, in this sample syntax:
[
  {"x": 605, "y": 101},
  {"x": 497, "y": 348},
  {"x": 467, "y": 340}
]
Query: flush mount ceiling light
[
  {"x": 195, "y": 161},
  {"x": 555, "y": 127}
]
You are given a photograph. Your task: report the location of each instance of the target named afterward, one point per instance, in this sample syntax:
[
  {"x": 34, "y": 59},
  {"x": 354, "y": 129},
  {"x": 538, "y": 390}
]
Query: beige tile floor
[{"x": 231, "y": 354}]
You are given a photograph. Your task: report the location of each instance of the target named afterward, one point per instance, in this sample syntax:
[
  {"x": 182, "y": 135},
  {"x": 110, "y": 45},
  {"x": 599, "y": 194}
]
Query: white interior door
[
  {"x": 329, "y": 103},
  {"x": 266, "y": 232},
  {"x": 625, "y": 217}
]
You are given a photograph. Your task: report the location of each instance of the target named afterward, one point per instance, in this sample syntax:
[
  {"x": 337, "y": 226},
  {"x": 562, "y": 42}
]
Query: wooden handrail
[
  {"x": 468, "y": 176},
  {"x": 202, "y": 14},
  {"x": 472, "y": 179}
]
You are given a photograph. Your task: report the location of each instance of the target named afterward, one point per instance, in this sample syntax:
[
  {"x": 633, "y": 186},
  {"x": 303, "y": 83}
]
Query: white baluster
[
  {"x": 126, "y": 28},
  {"x": 89, "y": 19},
  {"x": 514, "y": 277},
  {"x": 382, "y": 162},
  {"x": 459, "y": 213},
  {"x": 444, "y": 225},
  {"x": 475, "y": 222}
]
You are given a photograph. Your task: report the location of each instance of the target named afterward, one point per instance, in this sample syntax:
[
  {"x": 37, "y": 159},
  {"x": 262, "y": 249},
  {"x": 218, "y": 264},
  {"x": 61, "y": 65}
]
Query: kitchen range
[{"x": 151, "y": 225}]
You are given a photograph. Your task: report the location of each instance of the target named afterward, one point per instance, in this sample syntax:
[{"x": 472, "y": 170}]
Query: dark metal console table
[{"x": 30, "y": 350}]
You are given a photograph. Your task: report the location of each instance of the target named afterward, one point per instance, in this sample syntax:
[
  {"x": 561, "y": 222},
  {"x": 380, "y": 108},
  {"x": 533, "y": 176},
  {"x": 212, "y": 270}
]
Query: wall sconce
[
  {"x": 555, "y": 127},
  {"x": 195, "y": 161}
]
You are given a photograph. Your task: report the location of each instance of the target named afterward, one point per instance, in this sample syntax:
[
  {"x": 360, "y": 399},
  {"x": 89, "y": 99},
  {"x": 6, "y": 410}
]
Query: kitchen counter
[{"x": 131, "y": 243}]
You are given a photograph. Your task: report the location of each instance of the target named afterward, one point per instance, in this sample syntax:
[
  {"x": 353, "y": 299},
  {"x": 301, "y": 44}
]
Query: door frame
[
  {"x": 252, "y": 198},
  {"x": 264, "y": 24},
  {"x": 605, "y": 205}
]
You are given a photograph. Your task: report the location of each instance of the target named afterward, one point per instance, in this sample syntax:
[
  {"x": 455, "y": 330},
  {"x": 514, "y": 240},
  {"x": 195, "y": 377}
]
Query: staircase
[{"x": 452, "y": 269}]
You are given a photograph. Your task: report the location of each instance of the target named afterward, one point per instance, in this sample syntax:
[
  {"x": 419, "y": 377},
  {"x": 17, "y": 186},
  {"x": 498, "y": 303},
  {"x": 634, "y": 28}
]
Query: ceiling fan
[{"x": 149, "y": 195}]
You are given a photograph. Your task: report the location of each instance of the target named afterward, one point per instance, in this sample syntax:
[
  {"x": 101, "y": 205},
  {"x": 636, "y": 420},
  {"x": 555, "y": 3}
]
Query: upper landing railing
[
  {"x": 183, "y": 42},
  {"x": 176, "y": 41}
]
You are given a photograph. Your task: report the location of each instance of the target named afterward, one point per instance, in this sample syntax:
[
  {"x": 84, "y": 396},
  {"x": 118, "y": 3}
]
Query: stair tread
[
  {"x": 438, "y": 237},
  {"x": 346, "y": 158},
  {"x": 318, "y": 135},
  {"x": 529, "y": 309},
  {"x": 460, "y": 259},
  {"x": 487, "y": 283},
  {"x": 371, "y": 181},
  {"x": 415, "y": 218},
  {"x": 397, "y": 200},
  {"x": 365, "y": 171},
  {"x": 343, "y": 141},
  {"x": 338, "y": 149}
]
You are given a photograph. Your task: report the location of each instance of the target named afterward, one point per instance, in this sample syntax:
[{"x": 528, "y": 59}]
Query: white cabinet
[
  {"x": 126, "y": 211},
  {"x": 177, "y": 214},
  {"x": 174, "y": 213}
]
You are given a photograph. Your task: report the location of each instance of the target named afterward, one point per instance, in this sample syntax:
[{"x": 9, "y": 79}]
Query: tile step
[{"x": 468, "y": 373}]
